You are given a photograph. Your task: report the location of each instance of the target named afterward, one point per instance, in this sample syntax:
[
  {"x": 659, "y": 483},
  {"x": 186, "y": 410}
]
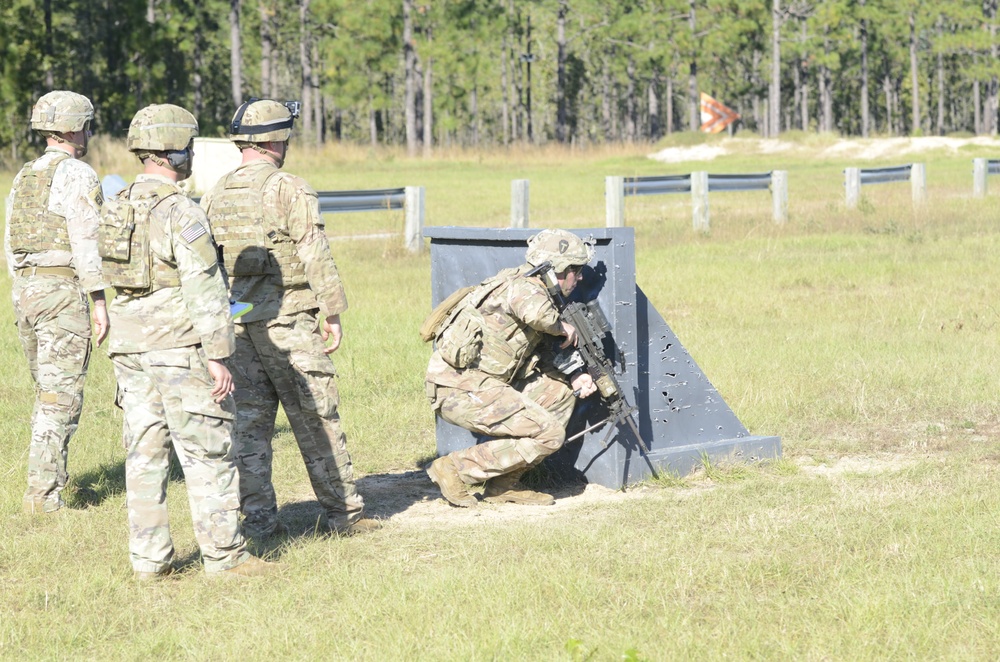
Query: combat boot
[
  {"x": 444, "y": 474},
  {"x": 508, "y": 488},
  {"x": 363, "y": 525},
  {"x": 252, "y": 567},
  {"x": 146, "y": 576}
]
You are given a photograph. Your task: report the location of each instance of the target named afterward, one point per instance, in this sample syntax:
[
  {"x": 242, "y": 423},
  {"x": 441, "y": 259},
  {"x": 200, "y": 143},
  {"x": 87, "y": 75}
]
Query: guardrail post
[
  {"x": 779, "y": 195},
  {"x": 413, "y": 206},
  {"x": 980, "y": 172},
  {"x": 519, "y": 203},
  {"x": 614, "y": 201},
  {"x": 852, "y": 185},
  {"x": 699, "y": 201},
  {"x": 918, "y": 183}
]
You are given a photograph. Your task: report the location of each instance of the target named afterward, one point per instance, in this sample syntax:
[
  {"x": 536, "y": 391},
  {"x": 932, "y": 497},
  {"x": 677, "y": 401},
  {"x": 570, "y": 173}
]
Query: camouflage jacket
[
  {"x": 518, "y": 317},
  {"x": 290, "y": 200},
  {"x": 197, "y": 311},
  {"x": 76, "y": 196}
]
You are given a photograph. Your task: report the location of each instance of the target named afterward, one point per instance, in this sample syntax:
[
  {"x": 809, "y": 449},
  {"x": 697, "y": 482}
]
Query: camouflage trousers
[
  {"x": 53, "y": 324},
  {"x": 282, "y": 360},
  {"x": 166, "y": 396},
  {"x": 528, "y": 419}
]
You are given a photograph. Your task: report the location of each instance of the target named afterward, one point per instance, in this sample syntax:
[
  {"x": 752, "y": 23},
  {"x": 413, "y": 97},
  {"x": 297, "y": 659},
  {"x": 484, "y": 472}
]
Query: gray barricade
[{"x": 682, "y": 418}]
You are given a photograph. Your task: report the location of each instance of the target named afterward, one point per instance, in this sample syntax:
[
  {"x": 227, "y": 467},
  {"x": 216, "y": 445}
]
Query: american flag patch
[{"x": 193, "y": 232}]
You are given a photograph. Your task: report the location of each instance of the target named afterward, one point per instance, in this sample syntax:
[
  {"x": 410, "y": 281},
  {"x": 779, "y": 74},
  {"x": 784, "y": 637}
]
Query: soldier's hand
[
  {"x": 99, "y": 316},
  {"x": 330, "y": 329},
  {"x": 583, "y": 385},
  {"x": 570, "y": 332},
  {"x": 223, "y": 380}
]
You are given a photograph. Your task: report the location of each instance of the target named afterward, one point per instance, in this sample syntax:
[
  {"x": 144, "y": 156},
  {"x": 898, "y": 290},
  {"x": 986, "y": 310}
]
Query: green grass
[{"x": 868, "y": 340}]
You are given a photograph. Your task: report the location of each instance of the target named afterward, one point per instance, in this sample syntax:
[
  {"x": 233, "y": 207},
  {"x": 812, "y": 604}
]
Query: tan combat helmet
[
  {"x": 560, "y": 248},
  {"x": 161, "y": 128},
  {"x": 61, "y": 112},
  {"x": 263, "y": 120}
]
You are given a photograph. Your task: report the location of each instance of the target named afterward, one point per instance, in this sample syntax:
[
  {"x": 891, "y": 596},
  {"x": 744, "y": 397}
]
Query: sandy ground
[
  {"x": 409, "y": 499},
  {"x": 862, "y": 150}
]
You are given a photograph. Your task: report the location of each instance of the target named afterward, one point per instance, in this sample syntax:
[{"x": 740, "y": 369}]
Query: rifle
[{"x": 591, "y": 326}]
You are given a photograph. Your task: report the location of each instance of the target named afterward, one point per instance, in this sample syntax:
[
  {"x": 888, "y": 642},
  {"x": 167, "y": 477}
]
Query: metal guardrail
[
  {"x": 993, "y": 166},
  {"x": 682, "y": 183},
  {"x": 657, "y": 185},
  {"x": 752, "y": 182},
  {"x": 335, "y": 202},
  {"x": 884, "y": 175}
]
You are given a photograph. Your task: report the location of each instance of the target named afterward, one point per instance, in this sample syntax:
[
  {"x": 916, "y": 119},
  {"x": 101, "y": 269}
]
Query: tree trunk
[
  {"x": 976, "y": 101},
  {"x": 774, "y": 93},
  {"x": 914, "y": 76},
  {"x": 630, "y": 101},
  {"x": 561, "y": 128},
  {"x": 504, "y": 97},
  {"x": 825, "y": 89},
  {"x": 670, "y": 105},
  {"x": 410, "y": 63},
  {"x": 606, "y": 98},
  {"x": 990, "y": 7},
  {"x": 305, "y": 62},
  {"x": 428, "y": 103},
  {"x": 797, "y": 87},
  {"x": 235, "y": 52},
  {"x": 317, "y": 97},
  {"x": 694, "y": 101},
  {"x": 653, "y": 101},
  {"x": 865, "y": 112},
  {"x": 887, "y": 86},
  {"x": 198, "y": 64},
  {"x": 49, "y": 47},
  {"x": 474, "y": 115},
  {"x": 266, "y": 48},
  {"x": 940, "y": 80}
]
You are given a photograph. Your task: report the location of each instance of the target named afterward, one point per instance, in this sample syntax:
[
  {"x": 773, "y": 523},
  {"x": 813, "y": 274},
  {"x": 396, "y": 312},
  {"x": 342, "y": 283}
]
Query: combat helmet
[
  {"x": 560, "y": 248},
  {"x": 61, "y": 111},
  {"x": 263, "y": 120},
  {"x": 161, "y": 128}
]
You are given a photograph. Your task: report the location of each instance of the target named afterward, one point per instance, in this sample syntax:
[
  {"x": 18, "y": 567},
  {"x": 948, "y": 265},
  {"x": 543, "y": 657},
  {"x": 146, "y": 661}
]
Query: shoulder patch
[
  {"x": 97, "y": 197},
  {"x": 193, "y": 231}
]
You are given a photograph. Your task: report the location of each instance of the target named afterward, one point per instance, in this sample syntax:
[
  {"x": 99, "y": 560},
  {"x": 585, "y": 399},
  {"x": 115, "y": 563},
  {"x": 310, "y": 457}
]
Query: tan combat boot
[
  {"x": 509, "y": 489},
  {"x": 146, "y": 576},
  {"x": 363, "y": 525},
  {"x": 444, "y": 474},
  {"x": 252, "y": 567}
]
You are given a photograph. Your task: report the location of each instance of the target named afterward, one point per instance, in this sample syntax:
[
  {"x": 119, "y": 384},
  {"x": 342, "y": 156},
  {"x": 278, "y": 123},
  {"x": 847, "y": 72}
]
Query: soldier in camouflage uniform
[
  {"x": 51, "y": 246},
  {"x": 172, "y": 331},
  {"x": 492, "y": 373},
  {"x": 277, "y": 257}
]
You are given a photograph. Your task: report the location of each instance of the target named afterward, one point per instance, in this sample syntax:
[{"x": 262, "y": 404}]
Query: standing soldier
[
  {"x": 51, "y": 243},
  {"x": 172, "y": 331},
  {"x": 277, "y": 257}
]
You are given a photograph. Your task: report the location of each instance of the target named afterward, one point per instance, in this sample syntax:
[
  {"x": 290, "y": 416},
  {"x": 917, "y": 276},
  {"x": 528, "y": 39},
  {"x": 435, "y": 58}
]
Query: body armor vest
[
  {"x": 127, "y": 261},
  {"x": 492, "y": 342},
  {"x": 33, "y": 228},
  {"x": 252, "y": 238}
]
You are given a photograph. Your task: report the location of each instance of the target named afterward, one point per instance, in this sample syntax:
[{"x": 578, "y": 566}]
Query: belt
[{"x": 65, "y": 272}]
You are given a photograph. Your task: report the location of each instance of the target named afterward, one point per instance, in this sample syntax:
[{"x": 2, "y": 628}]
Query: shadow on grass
[{"x": 92, "y": 488}]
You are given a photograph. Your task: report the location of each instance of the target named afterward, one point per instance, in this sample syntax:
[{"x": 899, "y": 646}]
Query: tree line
[{"x": 423, "y": 73}]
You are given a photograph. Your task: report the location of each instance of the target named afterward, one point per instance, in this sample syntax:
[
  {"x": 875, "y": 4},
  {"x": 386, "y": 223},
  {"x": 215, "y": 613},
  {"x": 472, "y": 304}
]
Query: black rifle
[{"x": 591, "y": 326}]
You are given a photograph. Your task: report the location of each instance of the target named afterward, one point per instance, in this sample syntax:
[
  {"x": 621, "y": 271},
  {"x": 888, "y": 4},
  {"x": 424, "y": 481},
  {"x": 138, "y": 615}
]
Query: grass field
[{"x": 867, "y": 339}]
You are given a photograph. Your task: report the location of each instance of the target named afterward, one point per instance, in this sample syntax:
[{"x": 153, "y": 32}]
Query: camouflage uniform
[
  {"x": 289, "y": 275},
  {"x": 161, "y": 339},
  {"x": 53, "y": 267},
  {"x": 510, "y": 392}
]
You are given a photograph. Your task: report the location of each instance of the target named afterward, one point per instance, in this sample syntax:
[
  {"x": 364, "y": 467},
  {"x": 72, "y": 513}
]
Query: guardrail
[
  {"x": 699, "y": 185},
  {"x": 855, "y": 178},
  {"x": 410, "y": 199}
]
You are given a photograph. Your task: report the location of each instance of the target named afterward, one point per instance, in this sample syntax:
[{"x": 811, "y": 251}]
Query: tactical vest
[
  {"x": 33, "y": 228},
  {"x": 498, "y": 345},
  {"x": 252, "y": 238},
  {"x": 127, "y": 261}
]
